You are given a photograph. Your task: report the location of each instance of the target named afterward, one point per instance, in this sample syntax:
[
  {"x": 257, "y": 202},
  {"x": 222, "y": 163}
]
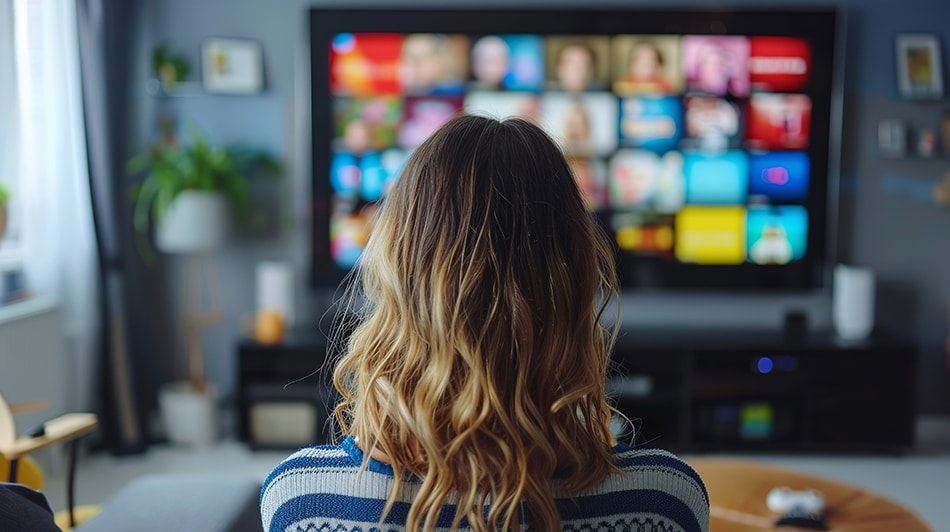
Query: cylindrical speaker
[
  {"x": 275, "y": 289},
  {"x": 853, "y": 302}
]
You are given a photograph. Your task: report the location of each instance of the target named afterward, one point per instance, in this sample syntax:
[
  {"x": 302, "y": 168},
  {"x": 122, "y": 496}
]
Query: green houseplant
[
  {"x": 170, "y": 68},
  {"x": 171, "y": 169},
  {"x": 188, "y": 196}
]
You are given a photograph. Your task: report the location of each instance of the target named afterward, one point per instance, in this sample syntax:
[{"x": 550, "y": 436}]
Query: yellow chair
[
  {"x": 28, "y": 473},
  {"x": 16, "y": 466}
]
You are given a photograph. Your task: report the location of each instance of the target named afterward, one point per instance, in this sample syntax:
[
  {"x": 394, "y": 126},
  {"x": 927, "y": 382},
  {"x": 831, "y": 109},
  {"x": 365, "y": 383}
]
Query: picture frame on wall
[
  {"x": 919, "y": 66},
  {"x": 232, "y": 66}
]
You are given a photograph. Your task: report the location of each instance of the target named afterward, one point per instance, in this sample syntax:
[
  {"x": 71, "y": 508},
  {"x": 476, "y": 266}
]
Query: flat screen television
[{"x": 703, "y": 140}]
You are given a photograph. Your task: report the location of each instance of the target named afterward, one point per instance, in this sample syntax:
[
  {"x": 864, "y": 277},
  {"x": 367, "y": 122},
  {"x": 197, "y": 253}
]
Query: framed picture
[
  {"x": 232, "y": 66},
  {"x": 919, "y": 70}
]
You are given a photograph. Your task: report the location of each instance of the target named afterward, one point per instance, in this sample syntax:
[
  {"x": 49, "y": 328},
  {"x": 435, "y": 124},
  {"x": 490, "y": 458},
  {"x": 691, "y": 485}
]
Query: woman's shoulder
[
  {"x": 660, "y": 471},
  {"x": 653, "y": 490},
  {"x": 314, "y": 478},
  {"x": 657, "y": 462},
  {"x": 322, "y": 465},
  {"x": 627, "y": 457},
  {"x": 313, "y": 460}
]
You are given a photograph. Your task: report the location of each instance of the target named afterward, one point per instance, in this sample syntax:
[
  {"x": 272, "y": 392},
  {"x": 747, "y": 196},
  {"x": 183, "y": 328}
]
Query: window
[
  {"x": 42, "y": 148},
  {"x": 11, "y": 238}
]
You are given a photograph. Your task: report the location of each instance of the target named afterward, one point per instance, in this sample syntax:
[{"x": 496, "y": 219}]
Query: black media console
[{"x": 684, "y": 390}]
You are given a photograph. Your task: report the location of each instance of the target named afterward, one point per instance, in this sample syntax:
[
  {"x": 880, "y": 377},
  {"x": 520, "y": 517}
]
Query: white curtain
[
  {"x": 9, "y": 133},
  {"x": 59, "y": 248}
]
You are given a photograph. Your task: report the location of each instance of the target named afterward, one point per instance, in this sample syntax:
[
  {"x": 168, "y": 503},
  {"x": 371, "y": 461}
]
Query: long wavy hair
[{"x": 480, "y": 360}]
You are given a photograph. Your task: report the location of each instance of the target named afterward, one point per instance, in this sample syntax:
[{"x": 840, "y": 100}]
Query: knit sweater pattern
[{"x": 322, "y": 489}]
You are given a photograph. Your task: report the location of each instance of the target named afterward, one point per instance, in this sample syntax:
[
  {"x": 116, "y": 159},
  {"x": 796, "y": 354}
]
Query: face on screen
[
  {"x": 647, "y": 64},
  {"x": 577, "y": 63},
  {"x": 690, "y": 148}
]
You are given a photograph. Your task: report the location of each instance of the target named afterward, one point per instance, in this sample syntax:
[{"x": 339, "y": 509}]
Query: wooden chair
[{"x": 63, "y": 429}]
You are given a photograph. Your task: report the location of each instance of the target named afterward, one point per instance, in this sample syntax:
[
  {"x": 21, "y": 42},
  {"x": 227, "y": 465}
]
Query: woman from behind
[{"x": 473, "y": 385}]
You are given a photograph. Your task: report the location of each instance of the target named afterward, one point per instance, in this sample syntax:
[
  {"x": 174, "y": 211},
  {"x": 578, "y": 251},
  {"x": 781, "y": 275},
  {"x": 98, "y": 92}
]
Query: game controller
[
  {"x": 783, "y": 499},
  {"x": 798, "y": 508}
]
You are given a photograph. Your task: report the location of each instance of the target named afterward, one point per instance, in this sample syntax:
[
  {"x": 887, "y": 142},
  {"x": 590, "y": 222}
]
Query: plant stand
[
  {"x": 196, "y": 223},
  {"x": 189, "y": 409}
]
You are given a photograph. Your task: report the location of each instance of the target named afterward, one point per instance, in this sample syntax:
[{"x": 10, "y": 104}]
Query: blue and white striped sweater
[{"x": 321, "y": 489}]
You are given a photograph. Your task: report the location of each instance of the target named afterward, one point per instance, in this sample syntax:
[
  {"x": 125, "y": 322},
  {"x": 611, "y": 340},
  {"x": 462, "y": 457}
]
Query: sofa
[{"x": 183, "y": 503}]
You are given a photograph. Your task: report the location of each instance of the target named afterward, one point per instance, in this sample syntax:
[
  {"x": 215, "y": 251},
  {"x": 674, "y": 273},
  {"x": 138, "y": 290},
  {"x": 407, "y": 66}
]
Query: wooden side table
[{"x": 738, "y": 488}]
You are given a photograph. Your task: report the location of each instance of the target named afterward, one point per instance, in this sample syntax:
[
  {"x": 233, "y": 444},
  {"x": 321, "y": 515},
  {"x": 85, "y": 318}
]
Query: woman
[{"x": 473, "y": 388}]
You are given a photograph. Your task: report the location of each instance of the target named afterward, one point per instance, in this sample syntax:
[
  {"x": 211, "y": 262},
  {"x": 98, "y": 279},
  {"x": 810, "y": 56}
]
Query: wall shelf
[{"x": 182, "y": 89}]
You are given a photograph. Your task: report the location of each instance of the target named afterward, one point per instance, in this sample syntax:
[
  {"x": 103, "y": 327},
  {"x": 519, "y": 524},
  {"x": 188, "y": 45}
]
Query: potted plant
[
  {"x": 189, "y": 195},
  {"x": 171, "y": 69},
  {"x": 4, "y": 200},
  {"x": 176, "y": 174}
]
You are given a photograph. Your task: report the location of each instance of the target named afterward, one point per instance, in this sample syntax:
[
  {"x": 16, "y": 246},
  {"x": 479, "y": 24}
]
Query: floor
[{"x": 920, "y": 480}]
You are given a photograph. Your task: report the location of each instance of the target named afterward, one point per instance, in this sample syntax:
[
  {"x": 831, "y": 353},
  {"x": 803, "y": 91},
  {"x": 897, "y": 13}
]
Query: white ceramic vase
[
  {"x": 189, "y": 417},
  {"x": 197, "y": 221}
]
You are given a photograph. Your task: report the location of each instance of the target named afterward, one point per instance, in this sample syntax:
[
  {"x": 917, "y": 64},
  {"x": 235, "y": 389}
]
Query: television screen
[{"x": 700, "y": 139}]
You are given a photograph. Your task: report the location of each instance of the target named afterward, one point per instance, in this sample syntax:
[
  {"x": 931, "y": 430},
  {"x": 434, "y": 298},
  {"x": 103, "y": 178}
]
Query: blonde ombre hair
[{"x": 479, "y": 364}]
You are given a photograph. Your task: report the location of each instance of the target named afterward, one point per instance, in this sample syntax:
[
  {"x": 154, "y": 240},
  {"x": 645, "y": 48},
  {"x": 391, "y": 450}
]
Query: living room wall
[{"x": 887, "y": 220}]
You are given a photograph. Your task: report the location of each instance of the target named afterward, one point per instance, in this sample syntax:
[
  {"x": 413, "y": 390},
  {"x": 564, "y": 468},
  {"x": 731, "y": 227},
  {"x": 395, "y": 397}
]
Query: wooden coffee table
[{"x": 737, "y": 490}]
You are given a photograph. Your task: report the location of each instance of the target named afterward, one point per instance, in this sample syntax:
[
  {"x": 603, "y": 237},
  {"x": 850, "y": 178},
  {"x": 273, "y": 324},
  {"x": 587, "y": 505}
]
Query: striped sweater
[{"x": 320, "y": 489}]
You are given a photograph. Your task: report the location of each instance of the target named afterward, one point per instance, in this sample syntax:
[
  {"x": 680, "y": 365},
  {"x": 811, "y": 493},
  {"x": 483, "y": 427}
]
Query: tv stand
[
  {"x": 710, "y": 390},
  {"x": 688, "y": 390}
]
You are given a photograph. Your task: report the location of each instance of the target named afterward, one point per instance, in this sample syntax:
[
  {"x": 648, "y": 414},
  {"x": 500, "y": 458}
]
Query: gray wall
[{"x": 887, "y": 221}]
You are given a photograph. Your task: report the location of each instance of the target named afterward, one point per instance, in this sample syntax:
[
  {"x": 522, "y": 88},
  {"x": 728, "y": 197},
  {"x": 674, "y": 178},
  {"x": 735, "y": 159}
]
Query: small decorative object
[
  {"x": 919, "y": 70},
  {"x": 852, "y": 302},
  {"x": 170, "y": 69},
  {"x": 927, "y": 143},
  {"x": 892, "y": 138},
  {"x": 232, "y": 66},
  {"x": 941, "y": 194},
  {"x": 275, "y": 289},
  {"x": 266, "y": 327},
  {"x": 803, "y": 508},
  {"x": 12, "y": 284},
  {"x": 945, "y": 133},
  {"x": 4, "y": 200}
]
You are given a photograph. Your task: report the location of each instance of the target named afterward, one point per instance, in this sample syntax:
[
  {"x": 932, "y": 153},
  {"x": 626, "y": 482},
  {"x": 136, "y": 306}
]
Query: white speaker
[
  {"x": 275, "y": 289},
  {"x": 853, "y": 302}
]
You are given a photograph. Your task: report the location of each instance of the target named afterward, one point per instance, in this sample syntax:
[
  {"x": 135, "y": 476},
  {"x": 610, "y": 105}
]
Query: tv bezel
[{"x": 820, "y": 26}]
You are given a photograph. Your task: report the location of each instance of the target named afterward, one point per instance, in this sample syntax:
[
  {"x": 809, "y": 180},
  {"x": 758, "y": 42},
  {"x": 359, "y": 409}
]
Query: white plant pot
[
  {"x": 189, "y": 417},
  {"x": 197, "y": 221}
]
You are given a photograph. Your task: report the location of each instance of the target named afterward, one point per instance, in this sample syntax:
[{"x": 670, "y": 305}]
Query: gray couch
[{"x": 182, "y": 503}]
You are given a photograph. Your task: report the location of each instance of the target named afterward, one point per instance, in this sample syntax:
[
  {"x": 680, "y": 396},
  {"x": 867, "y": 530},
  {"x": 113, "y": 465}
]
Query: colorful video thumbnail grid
[{"x": 692, "y": 148}]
